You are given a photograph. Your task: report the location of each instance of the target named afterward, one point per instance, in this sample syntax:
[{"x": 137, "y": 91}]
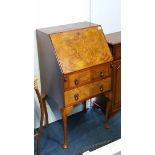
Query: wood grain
[
  {"x": 83, "y": 48},
  {"x": 86, "y": 76},
  {"x": 116, "y": 88},
  {"x": 87, "y": 91},
  {"x": 117, "y": 51}
]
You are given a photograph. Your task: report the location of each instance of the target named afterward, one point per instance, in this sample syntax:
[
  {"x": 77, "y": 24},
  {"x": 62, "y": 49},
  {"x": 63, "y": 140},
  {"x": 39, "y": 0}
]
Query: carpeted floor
[{"x": 85, "y": 129}]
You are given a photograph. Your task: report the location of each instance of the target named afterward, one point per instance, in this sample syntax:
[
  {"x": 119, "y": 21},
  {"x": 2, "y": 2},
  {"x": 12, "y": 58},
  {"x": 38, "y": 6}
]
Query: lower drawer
[{"x": 87, "y": 91}]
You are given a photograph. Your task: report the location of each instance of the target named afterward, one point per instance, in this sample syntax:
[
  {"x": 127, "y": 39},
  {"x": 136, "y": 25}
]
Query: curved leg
[
  {"x": 45, "y": 111},
  {"x": 41, "y": 121},
  {"x": 65, "y": 113},
  {"x": 39, "y": 133},
  {"x": 106, "y": 124},
  {"x": 65, "y": 130}
]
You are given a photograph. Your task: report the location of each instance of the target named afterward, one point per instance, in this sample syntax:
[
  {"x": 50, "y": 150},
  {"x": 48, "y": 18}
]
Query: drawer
[
  {"x": 87, "y": 76},
  {"x": 101, "y": 72},
  {"x": 87, "y": 91},
  {"x": 117, "y": 52}
]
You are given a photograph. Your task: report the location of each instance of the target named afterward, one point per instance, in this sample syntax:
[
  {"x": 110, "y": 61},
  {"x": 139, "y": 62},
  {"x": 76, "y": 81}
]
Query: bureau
[{"x": 75, "y": 65}]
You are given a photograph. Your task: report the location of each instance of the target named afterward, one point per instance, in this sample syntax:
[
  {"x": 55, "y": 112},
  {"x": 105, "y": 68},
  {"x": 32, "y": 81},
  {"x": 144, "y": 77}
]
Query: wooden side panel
[
  {"x": 82, "y": 48},
  {"x": 90, "y": 90},
  {"x": 117, "y": 52},
  {"x": 114, "y": 41},
  {"x": 116, "y": 88},
  {"x": 50, "y": 73}
]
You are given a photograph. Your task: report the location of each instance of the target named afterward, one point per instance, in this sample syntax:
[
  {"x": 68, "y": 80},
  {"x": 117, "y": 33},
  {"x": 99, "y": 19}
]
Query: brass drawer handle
[
  {"x": 76, "y": 81},
  {"x": 101, "y": 88},
  {"x": 76, "y": 97},
  {"x": 101, "y": 74}
]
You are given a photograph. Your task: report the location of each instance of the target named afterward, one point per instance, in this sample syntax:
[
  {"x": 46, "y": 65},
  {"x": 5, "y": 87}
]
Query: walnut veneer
[{"x": 75, "y": 64}]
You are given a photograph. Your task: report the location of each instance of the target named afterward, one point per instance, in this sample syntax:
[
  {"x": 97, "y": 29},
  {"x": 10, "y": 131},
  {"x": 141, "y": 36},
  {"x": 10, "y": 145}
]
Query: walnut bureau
[{"x": 74, "y": 62}]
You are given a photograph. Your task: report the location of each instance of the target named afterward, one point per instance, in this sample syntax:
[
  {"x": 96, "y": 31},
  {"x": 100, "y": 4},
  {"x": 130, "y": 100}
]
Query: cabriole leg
[
  {"x": 45, "y": 111},
  {"x": 65, "y": 113},
  {"x": 65, "y": 130}
]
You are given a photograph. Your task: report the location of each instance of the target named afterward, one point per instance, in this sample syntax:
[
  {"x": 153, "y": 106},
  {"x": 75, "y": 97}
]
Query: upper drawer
[
  {"x": 87, "y": 91},
  {"x": 116, "y": 51},
  {"x": 86, "y": 76}
]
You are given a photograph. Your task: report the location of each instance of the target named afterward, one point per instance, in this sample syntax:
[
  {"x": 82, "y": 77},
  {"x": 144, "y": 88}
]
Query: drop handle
[
  {"x": 101, "y": 88},
  {"x": 76, "y": 97},
  {"x": 76, "y": 81},
  {"x": 101, "y": 74}
]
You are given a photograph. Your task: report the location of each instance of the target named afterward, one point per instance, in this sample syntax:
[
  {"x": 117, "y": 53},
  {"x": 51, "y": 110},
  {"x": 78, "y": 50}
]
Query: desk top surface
[{"x": 114, "y": 38}]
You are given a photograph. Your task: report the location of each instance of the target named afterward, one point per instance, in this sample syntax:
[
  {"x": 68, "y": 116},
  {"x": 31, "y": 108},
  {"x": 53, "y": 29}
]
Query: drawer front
[
  {"x": 87, "y": 91},
  {"x": 117, "y": 52},
  {"x": 101, "y": 72},
  {"x": 87, "y": 76}
]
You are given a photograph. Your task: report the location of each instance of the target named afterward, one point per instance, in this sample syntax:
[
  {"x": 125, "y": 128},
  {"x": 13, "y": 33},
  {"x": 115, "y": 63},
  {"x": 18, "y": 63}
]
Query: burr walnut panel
[
  {"x": 80, "y": 93},
  {"x": 81, "y": 48},
  {"x": 86, "y": 76}
]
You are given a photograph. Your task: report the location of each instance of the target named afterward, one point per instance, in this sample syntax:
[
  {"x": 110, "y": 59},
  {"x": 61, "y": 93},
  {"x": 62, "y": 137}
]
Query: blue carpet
[{"x": 84, "y": 130}]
